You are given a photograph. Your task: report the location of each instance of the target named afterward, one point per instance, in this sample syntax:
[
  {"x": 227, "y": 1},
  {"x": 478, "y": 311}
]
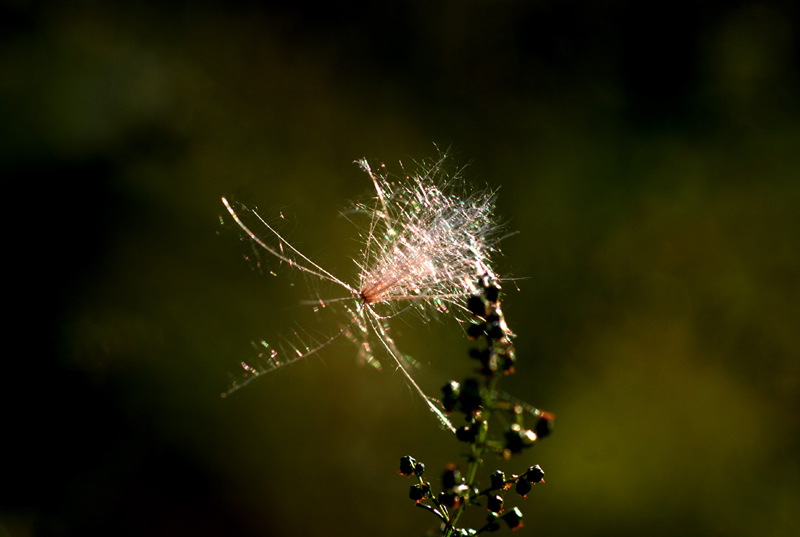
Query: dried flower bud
[
  {"x": 495, "y": 504},
  {"x": 418, "y": 492},
  {"x": 535, "y": 474},
  {"x": 495, "y": 331},
  {"x": 450, "y": 394},
  {"x": 476, "y": 305},
  {"x": 523, "y": 487},
  {"x": 492, "y": 293},
  {"x": 544, "y": 427},
  {"x": 407, "y": 465},
  {"x": 451, "y": 477},
  {"x": 470, "y": 398},
  {"x": 513, "y": 518},
  {"x": 498, "y": 480},
  {"x": 518, "y": 438},
  {"x": 492, "y": 524},
  {"x": 476, "y": 330},
  {"x": 450, "y": 501},
  {"x": 419, "y": 469}
]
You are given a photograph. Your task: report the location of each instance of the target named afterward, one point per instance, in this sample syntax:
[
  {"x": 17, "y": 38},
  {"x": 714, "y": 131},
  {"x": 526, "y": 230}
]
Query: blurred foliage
[{"x": 647, "y": 154}]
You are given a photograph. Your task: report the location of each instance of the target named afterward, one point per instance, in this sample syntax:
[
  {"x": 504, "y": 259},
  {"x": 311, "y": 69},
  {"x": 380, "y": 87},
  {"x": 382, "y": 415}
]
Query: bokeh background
[{"x": 648, "y": 154}]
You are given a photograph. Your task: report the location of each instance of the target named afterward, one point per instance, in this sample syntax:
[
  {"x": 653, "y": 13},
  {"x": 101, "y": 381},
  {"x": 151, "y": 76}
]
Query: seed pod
[
  {"x": 535, "y": 474},
  {"x": 407, "y": 465},
  {"x": 523, "y": 487},
  {"x": 513, "y": 518},
  {"x": 495, "y": 504}
]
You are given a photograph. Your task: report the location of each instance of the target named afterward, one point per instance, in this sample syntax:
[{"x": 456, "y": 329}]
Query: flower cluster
[{"x": 478, "y": 400}]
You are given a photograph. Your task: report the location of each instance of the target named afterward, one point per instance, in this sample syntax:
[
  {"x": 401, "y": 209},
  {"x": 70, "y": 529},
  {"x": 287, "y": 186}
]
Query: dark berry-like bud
[
  {"x": 451, "y": 477},
  {"x": 476, "y": 330},
  {"x": 450, "y": 394},
  {"x": 492, "y": 524},
  {"x": 419, "y": 469},
  {"x": 535, "y": 474},
  {"x": 498, "y": 480},
  {"x": 449, "y": 500},
  {"x": 545, "y": 425},
  {"x": 477, "y": 306},
  {"x": 466, "y": 433},
  {"x": 407, "y": 465},
  {"x": 494, "y": 331},
  {"x": 492, "y": 293},
  {"x": 451, "y": 389},
  {"x": 513, "y": 518},
  {"x": 418, "y": 492},
  {"x": 470, "y": 398},
  {"x": 518, "y": 438},
  {"x": 495, "y": 504},
  {"x": 523, "y": 487}
]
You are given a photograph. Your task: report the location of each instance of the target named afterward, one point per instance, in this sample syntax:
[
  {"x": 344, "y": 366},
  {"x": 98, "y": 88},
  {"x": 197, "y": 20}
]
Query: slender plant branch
[{"x": 479, "y": 402}]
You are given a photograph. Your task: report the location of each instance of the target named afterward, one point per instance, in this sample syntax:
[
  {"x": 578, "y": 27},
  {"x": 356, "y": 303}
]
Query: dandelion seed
[{"x": 426, "y": 241}]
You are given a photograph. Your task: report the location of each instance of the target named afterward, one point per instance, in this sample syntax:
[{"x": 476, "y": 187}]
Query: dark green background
[{"x": 648, "y": 156}]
